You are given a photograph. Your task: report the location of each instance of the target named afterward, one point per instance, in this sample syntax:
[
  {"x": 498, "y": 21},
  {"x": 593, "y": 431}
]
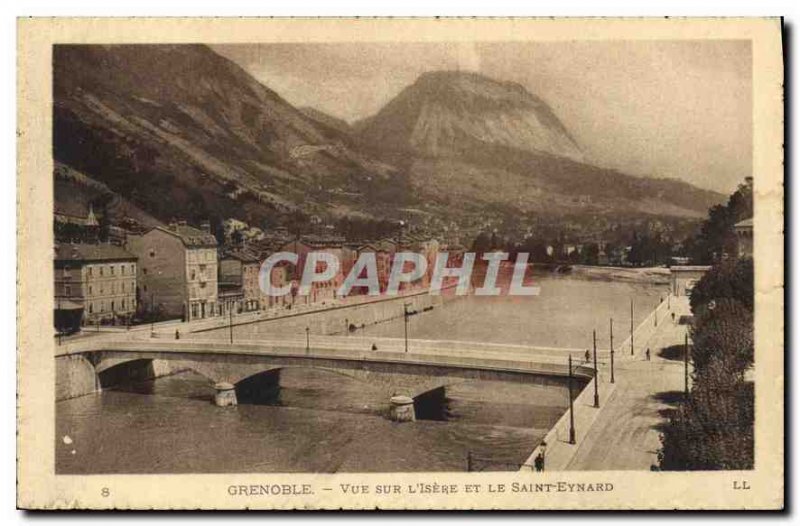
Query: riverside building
[
  {"x": 100, "y": 278},
  {"x": 177, "y": 270}
]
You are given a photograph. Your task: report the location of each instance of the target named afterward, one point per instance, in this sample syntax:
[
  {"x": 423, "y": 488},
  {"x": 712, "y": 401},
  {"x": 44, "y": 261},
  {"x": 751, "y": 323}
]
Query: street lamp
[
  {"x": 611, "y": 345},
  {"x": 596, "y": 394},
  {"x": 571, "y": 410},
  {"x": 308, "y": 347},
  {"x": 405, "y": 322}
]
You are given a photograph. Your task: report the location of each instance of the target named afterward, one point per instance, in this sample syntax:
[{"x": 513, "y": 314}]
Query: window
[
  {"x": 193, "y": 275},
  {"x": 144, "y": 271},
  {"x": 90, "y": 271},
  {"x": 68, "y": 290},
  {"x": 101, "y": 271},
  {"x": 102, "y": 306},
  {"x": 122, "y": 269},
  {"x": 112, "y": 305},
  {"x": 123, "y": 286},
  {"x": 112, "y": 270},
  {"x": 91, "y": 308},
  {"x": 123, "y": 303},
  {"x": 90, "y": 290},
  {"x": 152, "y": 253}
]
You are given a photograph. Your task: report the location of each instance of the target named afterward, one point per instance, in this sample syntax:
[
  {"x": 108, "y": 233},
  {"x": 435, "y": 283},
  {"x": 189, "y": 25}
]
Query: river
[{"x": 323, "y": 422}]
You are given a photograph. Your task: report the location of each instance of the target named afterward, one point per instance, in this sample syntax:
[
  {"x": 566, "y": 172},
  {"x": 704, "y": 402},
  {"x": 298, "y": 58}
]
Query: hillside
[
  {"x": 469, "y": 139},
  {"x": 182, "y": 131},
  {"x": 327, "y": 120}
]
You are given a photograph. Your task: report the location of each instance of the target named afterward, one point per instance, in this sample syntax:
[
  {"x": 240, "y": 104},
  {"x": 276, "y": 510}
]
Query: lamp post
[
  {"x": 594, "y": 348},
  {"x": 611, "y": 345},
  {"x": 405, "y": 323},
  {"x": 571, "y": 411},
  {"x": 308, "y": 346},
  {"x": 631, "y": 326}
]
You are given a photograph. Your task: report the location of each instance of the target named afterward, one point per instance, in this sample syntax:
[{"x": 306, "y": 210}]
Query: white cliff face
[{"x": 443, "y": 112}]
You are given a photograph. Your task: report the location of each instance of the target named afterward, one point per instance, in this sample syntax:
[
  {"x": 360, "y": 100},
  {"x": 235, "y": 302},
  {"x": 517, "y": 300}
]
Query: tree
[
  {"x": 729, "y": 279},
  {"x": 482, "y": 243},
  {"x": 590, "y": 253},
  {"x": 716, "y": 235},
  {"x": 723, "y": 333},
  {"x": 712, "y": 431}
]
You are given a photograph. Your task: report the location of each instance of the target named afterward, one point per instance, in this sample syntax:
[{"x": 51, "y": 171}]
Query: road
[{"x": 625, "y": 435}]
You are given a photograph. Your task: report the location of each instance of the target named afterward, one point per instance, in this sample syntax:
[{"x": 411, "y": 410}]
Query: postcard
[{"x": 400, "y": 264}]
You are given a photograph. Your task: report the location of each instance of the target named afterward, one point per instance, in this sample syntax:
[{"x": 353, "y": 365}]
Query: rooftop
[
  {"x": 88, "y": 252},
  {"x": 192, "y": 237}
]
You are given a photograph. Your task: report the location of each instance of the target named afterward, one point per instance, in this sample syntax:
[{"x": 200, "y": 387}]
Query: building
[
  {"x": 76, "y": 213},
  {"x": 321, "y": 292},
  {"x": 100, "y": 278},
  {"x": 744, "y": 238},
  {"x": 384, "y": 253},
  {"x": 239, "y": 268},
  {"x": 684, "y": 278},
  {"x": 177, "y": 271}
]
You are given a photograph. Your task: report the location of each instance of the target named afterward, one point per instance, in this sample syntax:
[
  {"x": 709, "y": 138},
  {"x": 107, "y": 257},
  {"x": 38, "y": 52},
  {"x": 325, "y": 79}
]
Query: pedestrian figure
[
  {"x": 374, "y": 347},
  {"x": 673, "y": 317},
  {"x": 647, "y": 354},
  {"x": 177, "y": 334},
  {"x": 586, "y": 356},
  {"x": 538, "y": 462}
]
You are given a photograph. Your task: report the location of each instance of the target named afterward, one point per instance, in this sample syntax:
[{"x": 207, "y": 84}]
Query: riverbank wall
[{"x": 333, "y": 320}]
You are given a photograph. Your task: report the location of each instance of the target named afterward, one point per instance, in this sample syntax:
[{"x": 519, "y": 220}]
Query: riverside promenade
[{"x": 623, "y": 434}]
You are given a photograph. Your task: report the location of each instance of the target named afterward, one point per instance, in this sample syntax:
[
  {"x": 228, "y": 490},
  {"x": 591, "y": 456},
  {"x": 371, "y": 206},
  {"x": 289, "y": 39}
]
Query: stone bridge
[{"x": 249, "y": 369}]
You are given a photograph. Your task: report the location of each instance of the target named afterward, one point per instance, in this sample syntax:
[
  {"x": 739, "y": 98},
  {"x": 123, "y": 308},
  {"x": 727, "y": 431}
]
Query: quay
[{"x": 623, "y": 433}]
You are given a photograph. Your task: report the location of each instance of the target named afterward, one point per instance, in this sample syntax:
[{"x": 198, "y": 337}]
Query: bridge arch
[
  {"x": 263, "y": 387},
  {"x": 126, "y": 371}
]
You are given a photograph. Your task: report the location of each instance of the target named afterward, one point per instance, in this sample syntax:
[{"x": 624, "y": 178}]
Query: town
[{"x": 124, "y": 274}]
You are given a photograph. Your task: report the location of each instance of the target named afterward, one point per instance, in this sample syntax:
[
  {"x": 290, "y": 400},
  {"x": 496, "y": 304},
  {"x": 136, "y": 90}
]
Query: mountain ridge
[{"x": 181, "y": 131}]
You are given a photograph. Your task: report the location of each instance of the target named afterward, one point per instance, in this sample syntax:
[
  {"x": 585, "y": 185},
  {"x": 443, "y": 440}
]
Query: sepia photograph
[{"x": 440, "y": 258}]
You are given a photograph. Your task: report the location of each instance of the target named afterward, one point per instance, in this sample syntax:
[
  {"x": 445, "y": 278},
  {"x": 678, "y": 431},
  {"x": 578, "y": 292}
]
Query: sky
[{"x": 678, "y": 109}]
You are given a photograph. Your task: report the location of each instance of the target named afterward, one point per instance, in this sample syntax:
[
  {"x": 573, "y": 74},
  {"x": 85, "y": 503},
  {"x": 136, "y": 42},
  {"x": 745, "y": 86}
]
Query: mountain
[
  {"x": 326, "y": 119},
  {"x": 470, "y": 140},
  {"x": 182, "y": 131},
  {"x": 444, "y": 111}
]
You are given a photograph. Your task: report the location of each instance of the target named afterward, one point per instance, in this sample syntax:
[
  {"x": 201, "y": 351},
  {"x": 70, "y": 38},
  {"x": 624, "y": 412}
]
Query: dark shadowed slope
[{"x": 182, "y": 131}]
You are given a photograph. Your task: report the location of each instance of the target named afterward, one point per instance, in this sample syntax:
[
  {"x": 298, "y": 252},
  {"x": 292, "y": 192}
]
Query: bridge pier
[
  {"x": 401, "y": 409},
  {"x": 225, "y": 395}
]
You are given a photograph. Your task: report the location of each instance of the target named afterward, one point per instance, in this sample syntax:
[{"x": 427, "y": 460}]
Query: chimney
[
  {"x": 205, "y": 226},
  {"x": 173, "y": 226}
]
